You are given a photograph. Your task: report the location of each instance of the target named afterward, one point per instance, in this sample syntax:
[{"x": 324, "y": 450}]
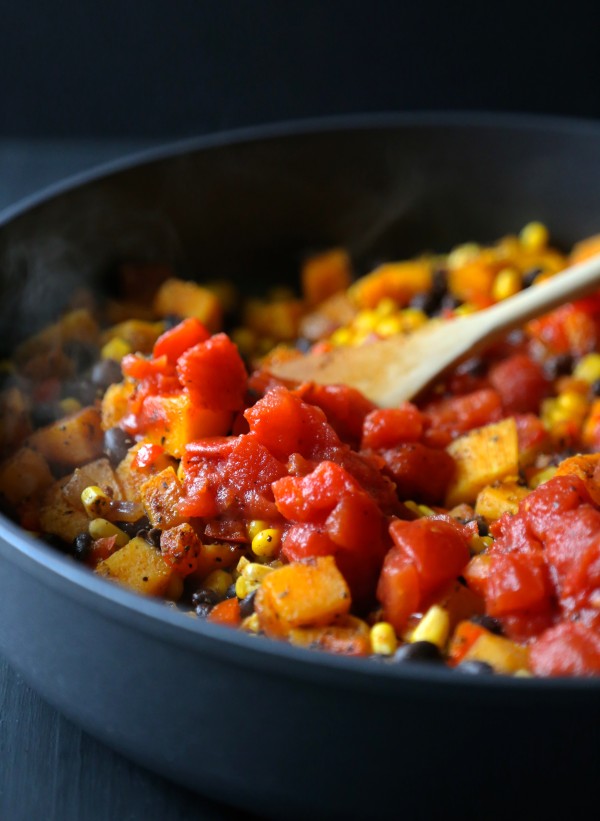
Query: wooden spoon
[{"x": 392, "y": 370}]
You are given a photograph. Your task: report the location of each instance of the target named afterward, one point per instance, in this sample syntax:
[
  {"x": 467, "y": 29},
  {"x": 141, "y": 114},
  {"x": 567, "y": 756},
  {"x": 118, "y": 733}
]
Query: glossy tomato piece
[
  {"x": 569, "y": 649},
  {"x": 420, "y": 473},
  {"x": 398, "y": 589},
  {"x": 550, "y": 501},
  {"x": 573, "y": 549},
  {"x": 520, "y": 382},
  {"x": 517, "y": 582},
  {"x": 388, "y": 427},
  {"x": 311, "y": 498},
  {"x": 176, "y": 341},
  {"x": 214, "y": 374},
  {"x": 452, "y": 416},
  {"x": 344, "y": 407},
  {"x": 438, "y": 549},
  {"x": 285, "y": 424}
]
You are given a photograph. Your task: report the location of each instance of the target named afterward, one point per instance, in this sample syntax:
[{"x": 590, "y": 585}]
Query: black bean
[
  {"x": 303, "y": 344},
  {"x": 116, "y": 444},
  {"x": 560, "y": 365},
  {"x": 449, "y": 303},
  {"x": 230, "y": 592},
  {"x": 424, "y": 651},
  {"x": 171, "y": 321},
  {"x": 154, "y": 535},
  {"x": 205, "y": 596},
  {"x": 137, "y": 528},
  {"x": 529, "y": 276},
  {"x": 82, "y": 354},
  {"x": 82, "y": 545},
  {"x": 81, "y": 389},
  {"x": 44, "y": 413},
  {"x": 426, "y": 301},
  {"x": 596, "y": 387},
  {"x": 476, "y": 668},
  {"x": 203, "y": 609},
  {"x": 247, "y": 605},
  {"x": 56, "y": 542},
  {"x": 105, "y": 372},
  {"x": 483, "y": 528},
  {"x": 488, "y": 623}
]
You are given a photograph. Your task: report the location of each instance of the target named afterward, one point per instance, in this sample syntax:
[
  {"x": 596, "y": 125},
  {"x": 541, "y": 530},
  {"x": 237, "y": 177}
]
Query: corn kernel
[
  {"x": 543, "y": 476},
  {"x": 478, "y": 544},
  {"x": 95, "y": 501},
  {"x": 433, "y": 627},
  {"x": 241, "y": 588},
  {"x": 383, "y": 639},
  {"x": 365, "y": 321},
  {"x": 412, "y": 318},
  {"x": 241, "y": 564},
  {"x": 463, "y": 254},
  {"x": 255, "y": 526},
  {"x": 413, "y": 506},
  {"x": 425, "y": 511},
  {"x": 341, "y": 337},
  {"x": 103, "y": 529},
  {"x": 70, "y": 405},
  {"x": 523, "y": 673},
  {"x": 465, "y": 309},
  {"x": 255, "y": 573},
  {"x": 573, "y": 403},
  {"x": 534, "y": 236},
  {"x": 116, "y": 349},
  {"x": 389, "y": 326},
  {"x": 507, "y": 283},
  {"x": 386, "y": 306},
  {"x": 267, "y": 542},
  {"x": 218, "y": 581},
  {"x": 588, "y": 368},
  {"x": 251, "y": 624}
]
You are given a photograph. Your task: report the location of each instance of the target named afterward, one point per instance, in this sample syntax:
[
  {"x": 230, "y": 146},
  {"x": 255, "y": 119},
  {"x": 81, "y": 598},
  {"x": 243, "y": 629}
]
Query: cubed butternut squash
[
  {"x": 302, "y": 594},
  {"x": 71, "y": 441},
  {"x": 131, "y": 478},
  {"x": 60, "y": 518},
  {"x": 176, "y": 297},
  {"x": 502, "y": 497},
  {"x": 99, "y": 473},
  {"x": 482, "y": 456},
  {"x": 349, "y": 637},
  {"x": 23, "y": 475},
  {"x": 587, "y": 467},
  {"x": 160, "y": 496},
  {"x": 138, "y": 566},
  {"x": 177, "y": 420}
]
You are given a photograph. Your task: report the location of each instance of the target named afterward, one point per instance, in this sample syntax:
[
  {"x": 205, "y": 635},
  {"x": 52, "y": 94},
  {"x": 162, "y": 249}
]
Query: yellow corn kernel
[
  {"x": 433, "y": 627},
  {"x": 366, "y": 321},
  {"x": 478, "y": 544},
  {"x": 507, "y": 283},
  {"x": 465, "y": 308},
  {"x": 241, "y": 588},
  {"x": 95, "y": 501},
  {"x": 588, "y": 368},
  {"x": 523, "y": 673},
  {"x": 341, "y": 337},
  {"x": 254, "y": 573},
  {"x": 386, "y": 306},
  {"x": 413, "y": 318},
  {"x": 425, "y": 511},
  {"x": 115, "y": 349},
  {"x": 267, "y": 542},
  {"x": 383, "y": 639},
  {"x": 70, "y": 405},
  {"x": 103, "y": 529},
  {"x": 463, "y": 254},
  {"x": 389, "y": 326},
  {"x": 218, "y": 581},
  {"x": 572, "y": 403},
  {"x": 241, "y": 565},
  {"x": 542, "y": 476},
  {"x": 534, "y": 236},
  {"x": 255, "y": 526},
  {"x": 251, "y": 624}
]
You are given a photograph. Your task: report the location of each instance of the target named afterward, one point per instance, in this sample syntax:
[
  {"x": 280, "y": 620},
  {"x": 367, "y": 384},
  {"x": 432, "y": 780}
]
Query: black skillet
[{"x": 271, "y": 728}]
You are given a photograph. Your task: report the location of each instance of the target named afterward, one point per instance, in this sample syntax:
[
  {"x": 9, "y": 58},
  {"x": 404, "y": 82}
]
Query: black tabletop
[{"x": 49, "y": 768}]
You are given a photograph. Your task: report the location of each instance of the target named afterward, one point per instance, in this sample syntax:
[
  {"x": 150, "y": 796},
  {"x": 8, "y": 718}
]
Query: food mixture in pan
[{"x": 462, "y": 529}]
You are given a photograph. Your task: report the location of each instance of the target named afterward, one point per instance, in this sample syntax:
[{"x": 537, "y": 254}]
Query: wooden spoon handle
[{"x": 573, "y": 283}]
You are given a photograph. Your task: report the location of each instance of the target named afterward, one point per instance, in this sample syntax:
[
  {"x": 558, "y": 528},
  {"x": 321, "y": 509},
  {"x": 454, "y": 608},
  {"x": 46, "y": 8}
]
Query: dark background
[{"x": 149, "y": 68}]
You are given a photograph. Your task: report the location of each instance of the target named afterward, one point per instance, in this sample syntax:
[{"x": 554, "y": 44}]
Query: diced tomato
[
  {"x": 139, "y": 367},
  {"x": 386, "y": 428},
  {"x": 398, "y": 589},
  {"x": 452, "y": 416},
  {"x": 568, "y": 329},
  {"x": 437, "y": 548},
  {"x": 477, "y": 573},
  {"x": 344, "y": 407},
  {"x": 226, "y": 613},
  {"x": 532, "y": 436},
  {"x": 517, "y": 582},
  {"x": 174, "y": 342},
  {"x": 214, "y": 374},
  {"x": 520, "y": 382},
  {"x": 573, "y": 548},
  {"x": 146, "y": 456},
  {"x": 464, "y": 637},
  {"x": 569, "y": 649},
  {"x": 421, "y": 474},
  {"x": 285, "y": 424},
  {"x": 312, "y": 498},
  {"x": 551, "y": 500}
]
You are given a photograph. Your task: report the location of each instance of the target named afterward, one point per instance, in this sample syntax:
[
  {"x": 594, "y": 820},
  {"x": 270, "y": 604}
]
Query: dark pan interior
[{"x": 256, "y": 728}]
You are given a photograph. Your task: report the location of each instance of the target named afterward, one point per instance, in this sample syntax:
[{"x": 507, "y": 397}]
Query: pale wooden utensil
[{"x": 398, "y": 368}]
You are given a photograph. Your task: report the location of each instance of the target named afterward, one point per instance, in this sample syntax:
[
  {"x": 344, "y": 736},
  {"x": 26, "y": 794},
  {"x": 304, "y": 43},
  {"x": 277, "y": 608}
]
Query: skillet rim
[{"x": 168, "y": 624}]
